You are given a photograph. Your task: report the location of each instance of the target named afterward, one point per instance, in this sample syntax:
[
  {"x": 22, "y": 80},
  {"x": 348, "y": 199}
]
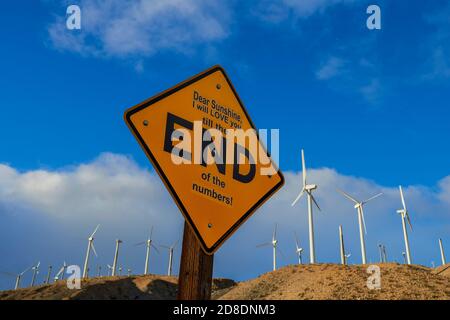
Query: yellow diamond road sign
[{"x": 216, "y": 181}]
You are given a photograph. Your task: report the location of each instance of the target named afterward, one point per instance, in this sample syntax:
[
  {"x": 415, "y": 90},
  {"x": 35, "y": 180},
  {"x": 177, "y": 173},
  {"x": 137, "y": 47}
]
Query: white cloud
[
  {"x": 332, "y": 67},
  {"x": 140, "y": 28},
  {"x": 65, "y": 204},
  {"x": 277, "y": 11},
  {"x": 436, "y": 45}
]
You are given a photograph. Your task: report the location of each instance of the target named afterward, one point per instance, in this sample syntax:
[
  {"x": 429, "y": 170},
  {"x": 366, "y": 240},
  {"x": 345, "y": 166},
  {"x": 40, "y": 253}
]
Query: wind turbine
[
  {"x": 308, "y": 188},
  {"x": 380, "y": 249},
  {"x": 274, "y": 244},
  {"x": 128, "y": 272},
  {"x": 341, "y": 245},
  {"x": 149, "y": 244},
  {"x": 298, "y": 250},
  {"x": 88, "y": 253},
  {"x": 64, "y": 268},
  {"x": 442, "y": 252},
  {"x": 405, "y": 216},
  {"x": 60, "y": 274},
  {"x": 362, "y": 224},
  {"x": 110, "y": 269},
  {"x": 35, "y": 273},
  {"x": 404, "y": 257},
  {"x": 384, "y": 253},
  {"x": 17, "y": 276},
  {"x": 346, "y": 257},
  {"x": 116, "y": 257},
  {"x": 49, "y": 273},
  {"x": 99, "y": 271},
  {"x": 171, "y": 248}
]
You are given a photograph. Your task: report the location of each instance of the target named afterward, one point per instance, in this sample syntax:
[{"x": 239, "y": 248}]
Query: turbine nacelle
[{"x": 310, "y": 187}]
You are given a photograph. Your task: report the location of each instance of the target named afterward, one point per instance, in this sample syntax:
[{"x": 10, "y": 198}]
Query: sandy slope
[
  {"x": 336, "y": 282},
  {"x": 151, "y": 287},
  {"x": 323, "y": 281}
]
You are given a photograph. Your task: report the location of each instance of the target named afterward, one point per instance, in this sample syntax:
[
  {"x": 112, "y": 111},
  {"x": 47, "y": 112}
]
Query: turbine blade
[
  {"x": 315, "y": 202},
  {"x": 264, "y": 245},
  {"x": 409, "y": 220},
  {"x": 363, "y": 220},
  {"x": 303, "y": 168},
  {"x": 38, "y": 264},
  {"x": 8, "y": 274},
  {"x": 296, "y": 240},
  {"x": 25, "y": 271},
  {"x": 93, "y": 233},
  {"x": 403, "y": 198},
  {"x": 93, "y": 249},
  {"x": 154, "y": 247},
  {"x": 59, "y": 272},
  {"x": 374, "y": 197},
  {"x": 151, "y": 233},
  {"x": 345, "y": 194},
  {"x": 274, "y": 236},
  {"x": 163, "y": 246},
  {"x": 140, "y": 243},
  {"x": 281, "y": 253},
  {"x": 298, "y": 198}
]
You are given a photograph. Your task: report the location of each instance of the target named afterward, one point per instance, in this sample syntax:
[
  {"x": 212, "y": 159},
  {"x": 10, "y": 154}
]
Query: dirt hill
[
  {"x": 443, "y": 270},
  {"x": 337, "y": 282},
  {"x": 151, "y": 287},
  {"x": 323, "y": 281}
]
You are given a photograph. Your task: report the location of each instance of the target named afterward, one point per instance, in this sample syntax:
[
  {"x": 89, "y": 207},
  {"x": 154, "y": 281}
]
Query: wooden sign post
[{"x": 196, "y": 269}]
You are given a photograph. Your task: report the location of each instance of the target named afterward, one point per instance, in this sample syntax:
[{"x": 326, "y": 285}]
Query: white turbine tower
[
  {"x": 308, "y": 188},
  {"x": 441, "y": 247},
  {"x": 35, "y": 273},
  {"x": 362, "y": 223},
  {"x": 17, "y": 276},
  {"x": 116, "y": 257},
  {"x": 341, "y": 245},
  {"x": 405, "y": 216},
  {"x": 149, "y": 244},
  {"x": 380, "y": 249},
  {"x": 405, "y": 260},
  {"x": 171, "y": 249},
  {"x": 49, "y": 274},
  {"x": 298, "y": 249},
  {"x": 88, "y": 253},
  {"x": 274, "y": 244}
]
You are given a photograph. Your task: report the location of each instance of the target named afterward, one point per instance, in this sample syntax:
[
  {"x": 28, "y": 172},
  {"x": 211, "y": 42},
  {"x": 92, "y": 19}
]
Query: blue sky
[{"x": 367, "y": 106}]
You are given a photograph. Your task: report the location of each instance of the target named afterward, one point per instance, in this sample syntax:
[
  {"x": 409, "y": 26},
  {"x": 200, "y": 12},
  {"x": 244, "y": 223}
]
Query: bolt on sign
[{"x": 204, "y": 146}]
